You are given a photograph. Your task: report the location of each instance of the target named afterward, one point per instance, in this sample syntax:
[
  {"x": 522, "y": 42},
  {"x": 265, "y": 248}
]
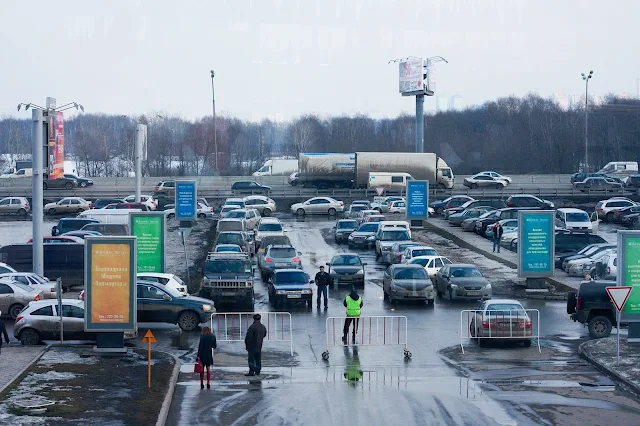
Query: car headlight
[
  {"x": 557, "y": 258},
  {"x": 386, "y": 248},
  {"x": 350, "y": 237},
  {"x": 487, "y": 286},
  {"x": 206, "y": 308},
  {"x": 371, "y": 237},
  {"x": 307, "y": 291},
  {"x": 454, "y": 285},
  {"x": 360, "y": 272}
]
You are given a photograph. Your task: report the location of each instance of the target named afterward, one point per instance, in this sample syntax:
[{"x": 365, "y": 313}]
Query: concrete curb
[
  {"x": 26, "y": 367},
  {"x": 634, "y": 387},
  {"x": 465, "y": 244},
  {"x": 166, "y": 404}
]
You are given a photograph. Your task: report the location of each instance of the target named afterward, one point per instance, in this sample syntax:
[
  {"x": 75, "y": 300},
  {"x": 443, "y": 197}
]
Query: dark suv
[
  {"x": 249, "y": 187},
  {"x": 63, "y": 182},
  {"x": 526, "y": 200},
  {"x": 593, "y": 307},
  {"x": 572, "y": 242}
]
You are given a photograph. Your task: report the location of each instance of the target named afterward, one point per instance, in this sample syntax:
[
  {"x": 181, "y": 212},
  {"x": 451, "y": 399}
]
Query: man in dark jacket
[
  {"x": 253, "y": 343},
  {"x": 3, "y": 330},
  {"x": 353, "y": 302},
  {"x": 323, "y": 280},
  {"x": 497, "y": 236}
]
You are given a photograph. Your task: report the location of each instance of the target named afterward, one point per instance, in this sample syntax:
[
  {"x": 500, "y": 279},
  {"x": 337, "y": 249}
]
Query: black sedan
[
  {"x": 82, "y": 182},
  {"x": 249, "y": 187},
  {"x": 159, "y": 303},
  {"x": 364, "y": 236},
  {"x": 289, "y": 285},
  {"x": 347, "y": 269},
  {"x": 63, "y": 182},
  {"x": 344, "y": 228}
]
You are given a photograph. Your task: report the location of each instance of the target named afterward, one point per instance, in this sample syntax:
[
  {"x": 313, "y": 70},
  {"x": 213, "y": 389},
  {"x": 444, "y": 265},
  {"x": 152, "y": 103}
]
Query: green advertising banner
[
  {"x": 536, "y": 243},
  {"x": 629, "y": 272},
  {"x": 149, "y": 227}
]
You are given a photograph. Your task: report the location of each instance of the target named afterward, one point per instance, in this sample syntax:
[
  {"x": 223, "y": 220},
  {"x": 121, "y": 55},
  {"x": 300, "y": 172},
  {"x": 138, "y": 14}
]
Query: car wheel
[
  {"x": 332, "y": 211},
  {"x": 22, "y": 212},
  {"x": 527, "y": 343},
  {"x": 188, "y": 320},
  {"x": 300, "y": 212},
  {"x": 499, "y": 186},
  {"x": 83, "y": 184},
  {"x": 431, "y": 302},
  {"x": 266, "y": 212},
  {"x": 609, "y": 217},
  {"x": 14, "y": 310},
  {"x": 474, "y": 186},
  {"x": 481, "y": 343},
  {"x": 248, "y": 301},
  {"x": 571, "y": 302},
  {"x": 68, "y": 185},
  {"x": 29, "y": 337},
  {"x": 44, "y": 185},
  {"x": 438, "y": 293},
  {"x": 599, "y": 326},
  {"x": 472, "y": 329},
  {"x": 51, "y": 211},
  {"x": 439, "y": 210},
  {"x": 202, "y": 216},
  {"x": 377, "y": 255},
  {"x": 450, "y": 293},
  {"x": 171, "y": 216}
]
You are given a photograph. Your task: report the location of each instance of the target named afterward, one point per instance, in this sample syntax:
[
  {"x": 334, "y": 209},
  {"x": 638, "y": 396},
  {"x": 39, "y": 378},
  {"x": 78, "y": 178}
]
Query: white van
[
  {"x": 108, "y": 216},
  {"x": 574, "y": 220},
  {"x": 395, "y": 181},
  {"x": 395, "y": 224},
  {"x": 620, "y": 167},
  {"x": 19, "y": 174}
]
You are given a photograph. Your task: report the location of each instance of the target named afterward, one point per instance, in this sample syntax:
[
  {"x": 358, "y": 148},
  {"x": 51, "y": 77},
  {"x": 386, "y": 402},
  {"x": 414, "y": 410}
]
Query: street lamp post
[
  {"x": 215, "y": 133},
  {"x": 586, "y": 79}
]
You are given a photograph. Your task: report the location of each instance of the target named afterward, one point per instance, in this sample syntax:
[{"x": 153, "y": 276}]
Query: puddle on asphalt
[{"x": 553, "y": 384}]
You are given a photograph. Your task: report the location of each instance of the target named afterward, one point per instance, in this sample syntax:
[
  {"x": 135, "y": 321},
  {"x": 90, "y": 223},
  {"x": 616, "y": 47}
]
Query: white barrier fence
[
  {"x": 232, "y": 326},
  {"x": 509, "y": 324},
  {"x": 370, "y": 331}
]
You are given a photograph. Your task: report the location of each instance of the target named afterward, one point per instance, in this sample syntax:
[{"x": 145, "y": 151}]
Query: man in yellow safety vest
[{"x": 353, "y": 303}]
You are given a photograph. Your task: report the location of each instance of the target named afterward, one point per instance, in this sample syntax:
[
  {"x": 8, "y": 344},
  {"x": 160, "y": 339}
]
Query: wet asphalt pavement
[{"x": 438, "y": 385}]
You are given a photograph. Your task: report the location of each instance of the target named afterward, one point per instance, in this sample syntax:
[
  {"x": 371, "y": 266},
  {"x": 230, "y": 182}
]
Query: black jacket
[
  {"x": 255, "y": 334},
  {"x": 497, "y": 232},
  {"x": 205, "y": 348},
  {"x": 3, "y": 330},
  {"x": 322, "y": 279}
]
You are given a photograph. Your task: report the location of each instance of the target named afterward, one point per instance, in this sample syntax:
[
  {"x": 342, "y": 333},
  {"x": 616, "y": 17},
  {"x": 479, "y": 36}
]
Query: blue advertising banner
[
  {"x": 417, "y": 199},
  {"x": 186, "y": 200},
  {"x": 536, "y": 244}
]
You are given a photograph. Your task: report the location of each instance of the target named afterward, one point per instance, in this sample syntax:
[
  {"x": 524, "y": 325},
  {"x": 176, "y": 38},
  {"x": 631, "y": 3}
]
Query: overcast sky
[{"x": 281, "y": 59}]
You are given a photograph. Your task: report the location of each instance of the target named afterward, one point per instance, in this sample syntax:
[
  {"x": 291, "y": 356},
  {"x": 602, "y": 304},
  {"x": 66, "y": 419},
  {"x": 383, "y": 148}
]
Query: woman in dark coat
[{"x": 205, "y": 354}]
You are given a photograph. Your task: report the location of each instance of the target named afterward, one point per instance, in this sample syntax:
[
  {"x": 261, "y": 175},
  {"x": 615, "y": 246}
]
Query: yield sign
[
  {"x": 380, "y": 191},
  {"x": 149, "y": 337},
  {"x": 619, "y": 295}
]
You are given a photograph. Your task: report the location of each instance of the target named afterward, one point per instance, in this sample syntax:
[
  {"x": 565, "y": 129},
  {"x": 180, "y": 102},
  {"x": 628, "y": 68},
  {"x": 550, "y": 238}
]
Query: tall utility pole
[
  {"x": 215, "y": 124},
  {"x": 586, "y": 78},
  {"x": 420, "y": 123}
]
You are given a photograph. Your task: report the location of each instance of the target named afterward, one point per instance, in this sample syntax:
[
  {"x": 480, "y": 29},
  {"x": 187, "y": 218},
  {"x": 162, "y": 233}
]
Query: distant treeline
[{"x": 510, "y": 135}]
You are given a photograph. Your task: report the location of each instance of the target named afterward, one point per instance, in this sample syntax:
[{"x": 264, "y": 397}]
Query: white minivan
[
  {"x": 394, "y": 181},
  {"x": 394, "y": 224},
  {"x": 574, "y": 220}
]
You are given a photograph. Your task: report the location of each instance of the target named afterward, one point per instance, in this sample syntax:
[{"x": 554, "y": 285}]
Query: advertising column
[
  {"x": 56, "y": 141},
  {"x": 110, "y": 289},
  {"x": 150, "y": 230},
  {"x": 536, "y": 244},
  {"x": 186, "y": 200},
  {"x": 417, "y": 202},
  {"x": 629, "y": 275}
]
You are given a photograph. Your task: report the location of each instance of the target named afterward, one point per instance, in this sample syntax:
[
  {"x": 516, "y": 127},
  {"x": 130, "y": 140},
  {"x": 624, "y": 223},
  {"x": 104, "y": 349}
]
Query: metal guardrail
[
  {"x": 500, "y": 325},
  {"x": 370, "y": 331},
  {"x": 232, "y": 326}
]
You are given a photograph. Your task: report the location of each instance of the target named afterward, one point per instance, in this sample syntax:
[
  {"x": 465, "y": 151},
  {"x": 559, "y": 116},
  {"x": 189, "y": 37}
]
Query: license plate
[
  {"x": 473, "y": 293},
  {"x": 294, "y": 296},
  {"x": 228, "y": 294}
]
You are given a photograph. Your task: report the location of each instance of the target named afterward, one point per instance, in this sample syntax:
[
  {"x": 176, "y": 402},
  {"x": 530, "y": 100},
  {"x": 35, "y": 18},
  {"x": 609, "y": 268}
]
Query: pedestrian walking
[
  {"x": 3, "y": 330},
  {"x": 323, "y": 280},
  {"x": 205, "y": 354},
  {"x": 497, "y": 236},
  {"x": 253, "y": 343},
  {"x": 353, "y": 302}
]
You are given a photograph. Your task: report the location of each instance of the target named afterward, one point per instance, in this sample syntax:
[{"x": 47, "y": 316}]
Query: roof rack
[{"x": 227, "y": 255}]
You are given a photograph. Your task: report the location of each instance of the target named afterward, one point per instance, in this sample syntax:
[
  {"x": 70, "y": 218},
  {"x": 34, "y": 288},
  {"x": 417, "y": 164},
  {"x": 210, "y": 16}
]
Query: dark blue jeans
[
  {"x": 496, "y": 243},
  {"x": 255, "y": 362},
  {"x": 324, "y": 290}
]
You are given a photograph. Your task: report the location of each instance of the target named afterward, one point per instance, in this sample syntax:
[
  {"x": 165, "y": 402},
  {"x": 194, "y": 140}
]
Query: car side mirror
[
  {"x": 364, "y": 264},
  {"x": 54, "y": 231},
  {"x": 328, "y": 264},
  {"x": 311, "y": 281},
  {"x": 166, "y": 298}
]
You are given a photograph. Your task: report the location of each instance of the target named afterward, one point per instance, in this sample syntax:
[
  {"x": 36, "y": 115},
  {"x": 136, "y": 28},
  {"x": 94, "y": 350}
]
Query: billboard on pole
[
  {"x": 110, "y": 284},
  {"x": 411, "y": 77},
  {"x": 418, "y": 199},
  {"x": 149, "y": 228},
  {"x": 536, "y": 243},
  {"x": 186, "y": 200},
  {"x": 57, "y": 125},
  {"x": 629, "y": 272}
]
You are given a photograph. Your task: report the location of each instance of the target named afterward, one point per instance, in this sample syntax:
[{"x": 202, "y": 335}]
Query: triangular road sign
[
  {"x": 619, "y": 295},
  {"x": 380, "y": 191},
  {"x": 149, "y": 337}
]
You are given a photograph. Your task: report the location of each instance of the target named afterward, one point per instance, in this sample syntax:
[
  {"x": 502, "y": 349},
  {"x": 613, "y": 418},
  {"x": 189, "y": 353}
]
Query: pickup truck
[
  {"x": 227, "y": 277},
  {"x": 593, "y": 307}
]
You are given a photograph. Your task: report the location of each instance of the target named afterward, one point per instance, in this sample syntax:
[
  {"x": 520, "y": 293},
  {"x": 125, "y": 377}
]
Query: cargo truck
[
  {"x": 351, "y": 170},
  {"x": 277, "y": 167}
]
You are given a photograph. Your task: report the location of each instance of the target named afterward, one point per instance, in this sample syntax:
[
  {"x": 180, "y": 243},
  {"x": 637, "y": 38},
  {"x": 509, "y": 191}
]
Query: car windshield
[
  {"x": 230, "y": 239},
  {"x": 227, "y": 266},
  {"x": 291, "y": 277},
  {"x": 347, "y": 224},
  {"x": 577, "y": 217},
  {"x": 229, "y": 248},
  {"x": 410, "y": 274},
  {"x": 467, "y": 272},
  {"x": 280, "y": 240},
  {"x": 282, "y": 252},
  {"x": 358, "y": 208},
  {"x": 346, "y": 261},
  {"x": 403, "y": 247},
  {"x": 236, "y": 215},
  {"x": 394, "y": 236},
  {"x": 506, "y": 309},
  {"x": 368, "y": 227},
  {"x": 226, "y": 209},
  {"x": 40, "y": 279},
  {"x": 270, "y": 227},
  {"x": 423, "y": 252},
  {"x": 422, "y": 262}
]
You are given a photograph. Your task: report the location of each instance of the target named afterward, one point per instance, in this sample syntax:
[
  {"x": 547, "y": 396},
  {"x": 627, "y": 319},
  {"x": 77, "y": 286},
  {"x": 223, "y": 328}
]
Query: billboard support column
[
  {"x": 37, "y": 202},
  {"x": 419, "y": 123},
  {"x": 141, "y": 135},
  {"x": 536, "y": 246}
]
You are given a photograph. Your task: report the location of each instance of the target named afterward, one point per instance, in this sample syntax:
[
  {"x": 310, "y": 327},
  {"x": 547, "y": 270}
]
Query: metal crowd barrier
[
  {"x": 232, "y": 326},
  {"x": 515, "y": 324},
  {"x": 371, "y": 331}
]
